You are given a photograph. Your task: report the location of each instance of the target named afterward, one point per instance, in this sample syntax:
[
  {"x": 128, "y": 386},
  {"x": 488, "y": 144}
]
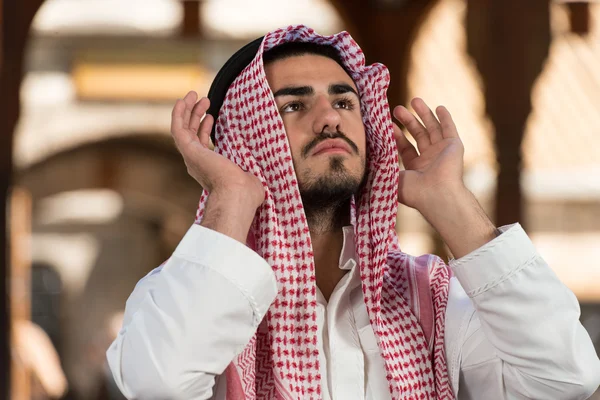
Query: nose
[{"x": 327, "y": 118}]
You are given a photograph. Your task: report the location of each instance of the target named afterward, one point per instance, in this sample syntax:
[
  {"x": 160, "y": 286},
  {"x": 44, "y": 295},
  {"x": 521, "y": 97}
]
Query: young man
[{"x": 291, "y": 285}]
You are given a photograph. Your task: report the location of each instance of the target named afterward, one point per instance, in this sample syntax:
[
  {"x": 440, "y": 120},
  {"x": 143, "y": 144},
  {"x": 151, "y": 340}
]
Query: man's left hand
[
  {"x": 432, "y": 180},
  {"x": 438, "y": 163}
]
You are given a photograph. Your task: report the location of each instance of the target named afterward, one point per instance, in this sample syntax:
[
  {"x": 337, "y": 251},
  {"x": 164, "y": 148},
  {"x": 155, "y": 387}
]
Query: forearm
[{"x": 459, "y": 219}]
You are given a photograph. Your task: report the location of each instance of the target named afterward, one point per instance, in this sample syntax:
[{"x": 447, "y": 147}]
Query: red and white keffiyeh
[{"x": 405, "y": 296}]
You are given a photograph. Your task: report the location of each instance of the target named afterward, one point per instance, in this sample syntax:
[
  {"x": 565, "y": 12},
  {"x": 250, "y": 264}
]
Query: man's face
[{"x": 320, "y": 108}]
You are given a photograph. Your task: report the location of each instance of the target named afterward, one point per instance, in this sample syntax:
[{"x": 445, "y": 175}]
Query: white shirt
[{"x": 512, "y": 328}]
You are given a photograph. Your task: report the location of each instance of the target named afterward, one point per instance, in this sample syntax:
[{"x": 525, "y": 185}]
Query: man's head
[{"x": 319, "y": 104}]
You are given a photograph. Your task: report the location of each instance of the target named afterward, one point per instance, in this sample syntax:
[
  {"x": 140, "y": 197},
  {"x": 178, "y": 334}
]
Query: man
[{"x": 321, "y": 303}]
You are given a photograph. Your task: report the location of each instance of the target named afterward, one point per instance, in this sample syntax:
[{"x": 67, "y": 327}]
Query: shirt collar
[
  {"x": 347, "y": 261},
  {"x": 348, "y": 254}
]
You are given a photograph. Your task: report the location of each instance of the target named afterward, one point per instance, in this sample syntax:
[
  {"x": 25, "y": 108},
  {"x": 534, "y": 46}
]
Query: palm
[{"x": 439, "y": 160}]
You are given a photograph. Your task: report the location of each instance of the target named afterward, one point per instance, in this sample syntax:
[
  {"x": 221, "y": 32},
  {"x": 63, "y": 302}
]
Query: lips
[{"x": 333, "y": 145}]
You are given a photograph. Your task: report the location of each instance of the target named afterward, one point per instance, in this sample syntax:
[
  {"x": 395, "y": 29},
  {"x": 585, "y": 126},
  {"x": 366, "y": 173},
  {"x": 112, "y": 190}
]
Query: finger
[
  {"x": 190, "y": 100},
  {"x": 181, "y": 135},
  {"x": 448, "y": 127},
  {"x": 431, "y": 123},
  {"x": 205, "y": 129},
  {"x": 198, "y": 112},
  {"x": 177, "y": 118},
  {"x": 415, "y": 128},
  {"x": 405, "y": 148}
]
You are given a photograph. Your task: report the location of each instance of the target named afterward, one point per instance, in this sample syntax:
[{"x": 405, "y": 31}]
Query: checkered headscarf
[{"x": 405, "y": 296}]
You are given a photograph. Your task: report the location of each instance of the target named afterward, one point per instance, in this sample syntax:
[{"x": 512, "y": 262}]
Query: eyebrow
[
  {"x": 337, "y": 88},
  {"x": 341, "y": 88}
]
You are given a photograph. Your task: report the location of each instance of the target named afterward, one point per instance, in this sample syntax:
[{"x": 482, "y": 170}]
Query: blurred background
[{"x": 97, "y": 195}]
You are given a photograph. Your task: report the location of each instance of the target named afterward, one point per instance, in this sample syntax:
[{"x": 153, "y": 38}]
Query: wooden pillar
[
  {"x": 20, "y": 287},
  {"x": 4, "y": 303},
  {"x": 509, "y": 40},
  {"x": 192, "y": 23},
  {"x": 579, "y": 17},
  {"x": 16, "y": 17},
  {"x": 385, "y": 30}
]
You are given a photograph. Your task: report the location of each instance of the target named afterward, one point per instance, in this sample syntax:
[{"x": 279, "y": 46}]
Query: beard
[{"x": 327, "y": 198}]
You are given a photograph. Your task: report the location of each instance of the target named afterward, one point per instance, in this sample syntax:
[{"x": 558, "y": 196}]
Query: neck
[{"x": 327, "y": 239}]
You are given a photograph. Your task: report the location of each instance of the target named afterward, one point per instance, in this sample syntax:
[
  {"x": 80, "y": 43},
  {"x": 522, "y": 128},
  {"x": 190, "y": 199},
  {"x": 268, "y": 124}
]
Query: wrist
[
  {"x": 230, "y": 214},
  {"x": 247, "y": 193},
  {"x": 454, "y": 212},
  {"x": 446, "y": 197}
]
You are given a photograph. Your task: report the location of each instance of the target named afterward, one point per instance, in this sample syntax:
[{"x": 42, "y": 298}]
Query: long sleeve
[
  {"x": 519, "y": 336},
  {"x": 186, "y": 321}
]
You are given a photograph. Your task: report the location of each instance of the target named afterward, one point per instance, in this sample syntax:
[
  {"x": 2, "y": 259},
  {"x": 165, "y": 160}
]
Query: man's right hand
[
  {"x": 234, "y": 194},
  {"x": 213, "y": 172}
]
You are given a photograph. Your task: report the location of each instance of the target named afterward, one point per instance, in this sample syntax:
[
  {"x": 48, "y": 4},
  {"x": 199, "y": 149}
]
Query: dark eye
[
  {"x": 344, "y": 104},
  {"x": 292, "y": 107}
]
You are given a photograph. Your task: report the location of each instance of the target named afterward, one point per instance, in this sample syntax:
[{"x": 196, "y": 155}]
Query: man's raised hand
[
  {"x": 432, "y": 180},
  {"x": 438, "y": 163},
  {"x": 190, "y": 128}
]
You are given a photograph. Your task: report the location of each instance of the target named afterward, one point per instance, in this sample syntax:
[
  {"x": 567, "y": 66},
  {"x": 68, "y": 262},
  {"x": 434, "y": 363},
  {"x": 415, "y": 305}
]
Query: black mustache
[{"x": 326, "y": 136}]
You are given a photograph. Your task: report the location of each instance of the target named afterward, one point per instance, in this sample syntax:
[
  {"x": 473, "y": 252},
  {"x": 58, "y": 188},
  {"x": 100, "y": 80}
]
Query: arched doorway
[{"x": 104, "y": 214}]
